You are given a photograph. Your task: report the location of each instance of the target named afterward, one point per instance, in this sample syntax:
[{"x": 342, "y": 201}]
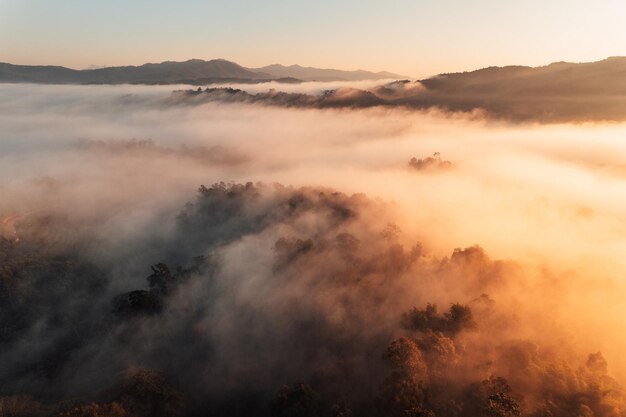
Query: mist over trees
[
  {"x": 556, "y": 93},
  {"x": 274, "y": 301}
]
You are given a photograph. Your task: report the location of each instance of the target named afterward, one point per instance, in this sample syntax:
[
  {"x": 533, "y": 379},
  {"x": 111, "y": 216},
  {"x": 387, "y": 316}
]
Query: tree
[
  {"x": 490, "y": 398},
  {"x": 96, "y": 410},
  {"x": 19, "y": 406},
  {"x": 161, "y": 280},
  {"x": 298, "y": 400},
  {"x": 403, "y": 393},
  {"x": 145, "y": 393},
  {"x": 458, "y": 318}
]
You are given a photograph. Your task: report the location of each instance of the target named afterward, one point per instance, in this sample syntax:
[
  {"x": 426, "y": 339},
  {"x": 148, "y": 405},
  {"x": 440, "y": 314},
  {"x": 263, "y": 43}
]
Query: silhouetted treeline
[{"x": 556, "y": 93}]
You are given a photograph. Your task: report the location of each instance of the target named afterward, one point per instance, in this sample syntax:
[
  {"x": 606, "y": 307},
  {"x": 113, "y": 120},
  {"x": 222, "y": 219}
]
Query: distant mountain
[
  {"x": 318, "y": 74},
  {"x": 560, "y": 78},
  {"x": 559, "y": 92},
  {"x": 194, "y": 71}
]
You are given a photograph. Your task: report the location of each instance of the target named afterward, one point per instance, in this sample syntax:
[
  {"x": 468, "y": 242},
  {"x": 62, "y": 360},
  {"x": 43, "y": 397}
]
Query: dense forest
[{"x": 266, "y": 300}]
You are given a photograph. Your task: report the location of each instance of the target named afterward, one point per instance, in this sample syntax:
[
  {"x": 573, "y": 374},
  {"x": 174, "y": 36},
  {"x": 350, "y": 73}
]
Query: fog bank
[{"x": 315, "y": 279}]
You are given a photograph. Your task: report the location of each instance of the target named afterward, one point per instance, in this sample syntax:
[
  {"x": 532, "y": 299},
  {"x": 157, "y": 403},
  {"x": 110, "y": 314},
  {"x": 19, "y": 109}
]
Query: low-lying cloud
[
  {"x": 557, "y": 93},
  {"x": 146, "y": 148},
  {"x": 493, "y": 103},
  {"x": 361, "y": 286}
]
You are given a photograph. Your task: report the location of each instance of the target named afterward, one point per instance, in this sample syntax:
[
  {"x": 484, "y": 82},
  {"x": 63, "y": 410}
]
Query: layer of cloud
[
  {"x": 556, "y": 93},
  {"x": 264, "y": 285}
]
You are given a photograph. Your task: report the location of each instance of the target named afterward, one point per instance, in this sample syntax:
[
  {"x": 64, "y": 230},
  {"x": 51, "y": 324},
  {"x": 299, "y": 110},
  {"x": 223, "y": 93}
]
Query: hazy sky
[{"x": 415, "y": 38}]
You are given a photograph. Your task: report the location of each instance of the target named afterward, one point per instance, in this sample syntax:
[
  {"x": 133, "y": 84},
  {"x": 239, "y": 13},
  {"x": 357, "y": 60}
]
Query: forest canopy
[{"x": 331, "y": 314}]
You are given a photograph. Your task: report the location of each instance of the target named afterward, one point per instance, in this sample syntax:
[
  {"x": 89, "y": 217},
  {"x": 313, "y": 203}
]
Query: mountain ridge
[
  {"x": 326, "y": 74},
  {"x": 192, "y": 71},
  {"x": 606, "y": 76},
  {"x": 555, "y": 93}
]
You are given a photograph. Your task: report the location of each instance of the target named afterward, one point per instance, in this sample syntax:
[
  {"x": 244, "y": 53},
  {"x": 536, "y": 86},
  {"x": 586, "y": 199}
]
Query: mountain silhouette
[{"x": 193, "y": 71}]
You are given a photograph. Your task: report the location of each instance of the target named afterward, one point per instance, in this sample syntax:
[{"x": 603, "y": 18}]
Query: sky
[{"x": 414, "y": 38}]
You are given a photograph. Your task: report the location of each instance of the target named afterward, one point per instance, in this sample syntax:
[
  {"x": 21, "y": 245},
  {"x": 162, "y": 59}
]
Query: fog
[
  {"x": 106, "y": 171},
  {"x": 557, "y": 93},
  {"x": 551, "y": 179}
]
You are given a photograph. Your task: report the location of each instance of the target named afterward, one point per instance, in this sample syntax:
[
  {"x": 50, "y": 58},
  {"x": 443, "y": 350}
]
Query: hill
[
  {"x": 318, "y": 74},
  {"x": 560, "y": 78},
  {"x": 193, "y": 71},
  {"x": 559, "y": 92}
]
